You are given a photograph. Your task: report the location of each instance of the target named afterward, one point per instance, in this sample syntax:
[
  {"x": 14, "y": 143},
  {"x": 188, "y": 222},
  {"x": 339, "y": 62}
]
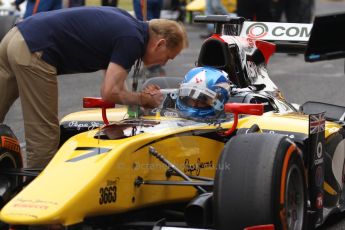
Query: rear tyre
[
  {"x": 10, "y": 158},
  {"x": 260, "y": 180}
]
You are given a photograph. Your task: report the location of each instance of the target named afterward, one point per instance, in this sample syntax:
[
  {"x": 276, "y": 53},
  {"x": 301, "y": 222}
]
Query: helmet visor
[{"x": 197, "y": 97}]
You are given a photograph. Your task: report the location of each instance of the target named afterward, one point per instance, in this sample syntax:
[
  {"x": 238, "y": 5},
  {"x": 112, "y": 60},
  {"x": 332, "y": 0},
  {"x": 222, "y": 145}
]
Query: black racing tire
[
  {"x": 260, "y": 180},
  {"x": 10, "y": 158},
  {"x": 334, "y": 141}
]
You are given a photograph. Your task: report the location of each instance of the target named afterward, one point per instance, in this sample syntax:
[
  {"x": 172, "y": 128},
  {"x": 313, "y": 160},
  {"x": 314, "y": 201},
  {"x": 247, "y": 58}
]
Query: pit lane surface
[{"x": 299, "y": 82}]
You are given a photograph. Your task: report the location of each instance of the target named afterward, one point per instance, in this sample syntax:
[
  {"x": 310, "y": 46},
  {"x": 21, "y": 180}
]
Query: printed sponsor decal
[
  {"x": 10, "y": 144},
  {"x": 316, "y": 141},
  {"x": 84, "y": 125},
  {"x": 165, "y": 112},
  {"x": 317, "y": 123},
  {"x": 196, "y": 167},
  {"x": 33, "y": 204},
  {"x": 288, "y": 134},
  {"x": 276, "y": 31},
  {"x": 170, "y": 114},
  {"x": 257, "y": 30},
  {"x": 319, "y": 149},
  {"x": 316, "y": 130},
  {"x": 318, "y": 161}
]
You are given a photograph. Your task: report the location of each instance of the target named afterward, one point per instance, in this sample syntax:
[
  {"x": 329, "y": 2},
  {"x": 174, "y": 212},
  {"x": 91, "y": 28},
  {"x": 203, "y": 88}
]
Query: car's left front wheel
[{"x": 260, "y": 180}]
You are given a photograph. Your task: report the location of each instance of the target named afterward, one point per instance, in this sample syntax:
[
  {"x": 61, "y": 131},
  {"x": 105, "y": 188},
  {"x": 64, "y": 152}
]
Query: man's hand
[
  {"x": 151, "y": 88},
  {"x": 151, "y": 97},
  {"x": 114, "y": 90}
]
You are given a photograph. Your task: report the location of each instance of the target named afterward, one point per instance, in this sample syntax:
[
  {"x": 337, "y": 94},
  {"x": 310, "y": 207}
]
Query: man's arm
[{"x": 114, "y": 89}]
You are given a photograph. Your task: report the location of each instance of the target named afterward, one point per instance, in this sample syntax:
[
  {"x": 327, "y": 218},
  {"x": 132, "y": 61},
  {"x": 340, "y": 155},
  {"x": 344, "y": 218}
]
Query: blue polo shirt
[{"x": 86, "y": 39}]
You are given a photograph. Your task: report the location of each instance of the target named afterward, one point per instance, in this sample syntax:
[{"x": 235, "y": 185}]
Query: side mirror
[
  {"x": 241, "y": 108},
  {"x": 97, "y": 102}
]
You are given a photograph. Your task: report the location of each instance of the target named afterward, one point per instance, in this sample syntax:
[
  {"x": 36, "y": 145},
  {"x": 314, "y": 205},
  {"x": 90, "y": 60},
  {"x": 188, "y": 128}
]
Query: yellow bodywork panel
[
  {"x": 91, "y": 175},
  {"x": 73, "y": 184},
  {"x": 116, "y": 114}
]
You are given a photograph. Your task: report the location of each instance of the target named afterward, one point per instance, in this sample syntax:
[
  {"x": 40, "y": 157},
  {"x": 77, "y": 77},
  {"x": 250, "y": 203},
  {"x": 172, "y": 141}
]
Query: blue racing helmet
[{"x": 203, "y": 93}]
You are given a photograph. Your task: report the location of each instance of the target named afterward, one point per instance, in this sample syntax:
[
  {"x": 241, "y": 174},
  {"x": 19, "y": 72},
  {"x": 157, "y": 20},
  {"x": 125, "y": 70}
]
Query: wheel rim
[{"x": 294, "y": 199}]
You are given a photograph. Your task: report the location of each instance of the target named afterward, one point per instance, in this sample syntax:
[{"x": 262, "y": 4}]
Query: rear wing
[
  {"x": 288, "y": 37},
  {"x": 327, "y": 38},
  {"x": 275, "y": 31}
]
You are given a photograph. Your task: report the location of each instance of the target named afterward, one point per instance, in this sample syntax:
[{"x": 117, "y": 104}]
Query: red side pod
[{"x": 266, "y": 48}]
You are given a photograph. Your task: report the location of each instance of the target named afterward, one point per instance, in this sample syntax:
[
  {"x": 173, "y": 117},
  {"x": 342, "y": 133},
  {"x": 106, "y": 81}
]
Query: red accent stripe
[{"x": 36, "y": 7}]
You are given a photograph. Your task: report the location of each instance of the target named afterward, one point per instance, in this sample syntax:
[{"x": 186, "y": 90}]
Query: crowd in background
[
  {"x": 296, "y": 11},
  {"x": 260, "y": 10}
]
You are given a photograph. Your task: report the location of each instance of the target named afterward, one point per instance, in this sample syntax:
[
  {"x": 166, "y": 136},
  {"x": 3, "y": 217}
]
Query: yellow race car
[{"x": 262, "y": 164}]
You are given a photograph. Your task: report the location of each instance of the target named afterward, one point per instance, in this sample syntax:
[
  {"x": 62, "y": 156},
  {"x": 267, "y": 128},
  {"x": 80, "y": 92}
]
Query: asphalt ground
[{"x": 299, "y": 81}]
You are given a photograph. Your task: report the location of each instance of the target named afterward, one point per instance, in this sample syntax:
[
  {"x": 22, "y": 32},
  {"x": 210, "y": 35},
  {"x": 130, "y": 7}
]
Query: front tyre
[{"x": 260, "y": 180}]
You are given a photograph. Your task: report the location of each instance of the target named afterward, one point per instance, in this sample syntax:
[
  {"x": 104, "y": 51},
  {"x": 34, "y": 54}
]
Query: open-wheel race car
[{"x": 257, "y": 163}]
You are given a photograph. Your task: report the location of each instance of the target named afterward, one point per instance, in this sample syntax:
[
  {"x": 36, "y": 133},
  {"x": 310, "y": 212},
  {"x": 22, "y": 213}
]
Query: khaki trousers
[{"x": 26, "y": 75}]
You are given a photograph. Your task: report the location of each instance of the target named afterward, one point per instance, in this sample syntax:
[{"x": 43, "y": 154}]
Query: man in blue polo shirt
[{"x": 77, "y": 40}]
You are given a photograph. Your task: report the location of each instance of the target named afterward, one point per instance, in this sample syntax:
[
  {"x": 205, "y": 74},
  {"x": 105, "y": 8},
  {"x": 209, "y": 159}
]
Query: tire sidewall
[
  {"x": 293, "y": 158},
  {"x": 249, "y": 193},
  {"x": 11, "y": 160}
]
